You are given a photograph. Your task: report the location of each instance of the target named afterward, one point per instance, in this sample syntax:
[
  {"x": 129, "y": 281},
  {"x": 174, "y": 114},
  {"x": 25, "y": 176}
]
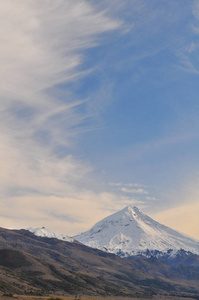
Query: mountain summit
[{"x": 130, "y": 232}]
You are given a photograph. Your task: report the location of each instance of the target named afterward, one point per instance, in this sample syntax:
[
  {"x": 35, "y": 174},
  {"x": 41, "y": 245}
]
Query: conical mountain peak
[
  {"x": 130, "y": 211},
  {"x": 135, "y": 211},
  {"x": 130, "y": 232}
]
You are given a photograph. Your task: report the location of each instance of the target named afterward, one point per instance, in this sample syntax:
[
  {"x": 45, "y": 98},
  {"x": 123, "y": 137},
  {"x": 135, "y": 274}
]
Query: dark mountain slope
[{"x": 41, "y": 265}]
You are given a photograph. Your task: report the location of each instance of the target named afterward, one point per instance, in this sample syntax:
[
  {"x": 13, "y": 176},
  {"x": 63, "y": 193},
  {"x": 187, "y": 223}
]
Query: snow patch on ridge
[{"x": 43, "y": 232}]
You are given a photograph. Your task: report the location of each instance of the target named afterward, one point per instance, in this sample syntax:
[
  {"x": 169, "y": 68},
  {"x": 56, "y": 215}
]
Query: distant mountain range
[{"x": 131, "y": 233}]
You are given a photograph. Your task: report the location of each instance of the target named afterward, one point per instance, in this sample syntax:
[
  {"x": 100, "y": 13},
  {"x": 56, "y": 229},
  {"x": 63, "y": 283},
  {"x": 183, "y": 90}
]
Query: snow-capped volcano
[
  {"x": 43, "y": 232},
  {"x": 131, "y": 232}
]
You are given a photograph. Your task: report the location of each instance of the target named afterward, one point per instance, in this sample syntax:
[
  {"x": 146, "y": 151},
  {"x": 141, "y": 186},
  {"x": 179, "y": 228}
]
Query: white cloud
[
  {"x": 42, "y": 45},
  {"x": 151, "y": 198},
  {"x": 134, "y": 191},
  {"x": 115, "y": 184},
  {"x": 126, "y": 184}
]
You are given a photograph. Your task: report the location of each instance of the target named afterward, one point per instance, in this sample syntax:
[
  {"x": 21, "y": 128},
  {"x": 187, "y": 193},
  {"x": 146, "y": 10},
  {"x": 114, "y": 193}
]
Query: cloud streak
[
  {"x": 134, "y": 191},
  {"x": 43, "y": 46}
]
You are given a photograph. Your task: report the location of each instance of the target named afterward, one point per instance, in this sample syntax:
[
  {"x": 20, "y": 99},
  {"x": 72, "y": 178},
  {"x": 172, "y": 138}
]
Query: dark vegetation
[{"x": 41, "y": 266}]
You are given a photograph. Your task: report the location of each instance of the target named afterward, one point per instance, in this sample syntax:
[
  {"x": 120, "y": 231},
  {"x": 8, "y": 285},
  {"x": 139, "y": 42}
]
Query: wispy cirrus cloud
[
  {"x": 134, "y": 191},
  {"x": 130, "y": 188},
  {"x": 42, "y": 47},
  {"x": 137, "y": 185},
  {"x": 188, "y": 52}
]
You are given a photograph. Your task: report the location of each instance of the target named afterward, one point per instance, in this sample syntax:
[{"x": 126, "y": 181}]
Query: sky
[{"x": 99, "y": 110}]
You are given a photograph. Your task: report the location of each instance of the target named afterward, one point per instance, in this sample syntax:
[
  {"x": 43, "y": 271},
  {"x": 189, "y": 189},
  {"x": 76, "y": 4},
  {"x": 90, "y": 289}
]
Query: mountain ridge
[{"x": 44, "y": 232}]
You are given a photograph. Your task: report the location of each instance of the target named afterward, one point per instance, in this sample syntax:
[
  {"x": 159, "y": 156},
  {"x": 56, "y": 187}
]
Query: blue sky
[{"x": 99, "y": 110}]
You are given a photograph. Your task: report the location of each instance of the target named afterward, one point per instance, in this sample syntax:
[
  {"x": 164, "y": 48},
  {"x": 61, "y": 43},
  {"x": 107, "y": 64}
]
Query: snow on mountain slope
[
  {"x": 43, "y": 232},
  {"x": 131, "y": 232}
]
